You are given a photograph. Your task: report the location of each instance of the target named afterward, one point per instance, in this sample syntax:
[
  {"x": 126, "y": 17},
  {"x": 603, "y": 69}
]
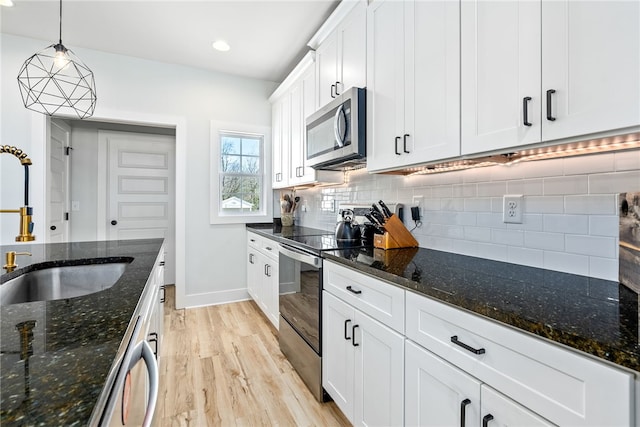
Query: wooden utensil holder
[{"x": 395, "y": 236}]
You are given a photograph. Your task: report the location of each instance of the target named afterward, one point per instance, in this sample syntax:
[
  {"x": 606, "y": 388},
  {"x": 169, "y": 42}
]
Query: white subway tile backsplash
[
  {"x": 606, "y": 225},
  {"x": 545, "y": 241},
  {"x": 589, "y": 164},
  {"x": 604, "y": 247},
  {"x": 569, "y": 224},
  {"x": 614, "y": 182},
  {"x": 543, "y": 204},
  {"x": 526, "y": 187},
  {"x": 603, "y": 268},
  {"x": 488, "y": 189},
  {"x": 525, "y": 256},
  {"x": 569, "y": 263},
  {"x": 591, "y": 205},
  {"x": 570, "y": 213},
  {"x": 507, "y": 237},
  {"x": 577, "y": 184}
]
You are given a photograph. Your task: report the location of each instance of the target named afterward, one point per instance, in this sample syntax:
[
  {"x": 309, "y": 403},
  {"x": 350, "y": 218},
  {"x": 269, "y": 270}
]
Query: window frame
[{"x": 265, "y": 213}]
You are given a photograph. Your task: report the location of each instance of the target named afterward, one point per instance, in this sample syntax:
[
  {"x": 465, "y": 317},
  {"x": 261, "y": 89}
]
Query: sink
[{"x": 61, "y": 282}]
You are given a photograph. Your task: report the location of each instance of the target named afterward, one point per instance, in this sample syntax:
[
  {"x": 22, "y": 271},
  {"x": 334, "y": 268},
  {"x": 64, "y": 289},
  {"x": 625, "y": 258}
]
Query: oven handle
[{"x": 300, "y": 256}]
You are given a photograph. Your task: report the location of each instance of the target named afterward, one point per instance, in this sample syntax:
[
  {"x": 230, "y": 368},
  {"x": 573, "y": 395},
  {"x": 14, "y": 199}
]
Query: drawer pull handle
[
  {"x": 486, "y": 419},
  {"x": 353, "y": 335},
  {"x": 346, "y": 322},
  {"x": 454, "y": 339},
  {"x": 463, "y": 411},
  {"x": 353, "y": 291}
]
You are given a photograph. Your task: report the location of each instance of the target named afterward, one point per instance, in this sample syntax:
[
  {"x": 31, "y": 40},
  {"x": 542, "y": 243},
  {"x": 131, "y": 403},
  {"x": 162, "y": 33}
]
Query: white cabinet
[
  {"x": 292, "y": 102},
  {"x": 439, "y": 394},
  {"x": 546, "y": 70},
  {"x": 362, "y": 365},
  {"x": 561, "y": 386},
  {"x": 413, "y": 76},
  {"x": 262, "y": 275},
  {"x": 156, "y": 304},
  {"x": 341, "y": 56}
]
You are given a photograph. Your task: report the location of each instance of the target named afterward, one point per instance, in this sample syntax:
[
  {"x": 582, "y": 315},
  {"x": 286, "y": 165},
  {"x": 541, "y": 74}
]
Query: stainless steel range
[{"x": 300, "y": 331}]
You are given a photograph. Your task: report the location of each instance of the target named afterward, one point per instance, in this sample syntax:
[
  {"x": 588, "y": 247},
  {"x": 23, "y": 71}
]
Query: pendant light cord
[{"x": 60, "y": 21}]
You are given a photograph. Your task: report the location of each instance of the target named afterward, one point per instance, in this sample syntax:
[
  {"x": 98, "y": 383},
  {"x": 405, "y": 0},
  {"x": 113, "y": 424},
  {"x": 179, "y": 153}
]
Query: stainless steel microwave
[{"x": 336, "y": 134}]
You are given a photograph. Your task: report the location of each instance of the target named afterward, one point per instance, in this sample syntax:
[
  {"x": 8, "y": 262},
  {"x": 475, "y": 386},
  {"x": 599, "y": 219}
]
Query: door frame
[{"x": 40, "y": 126}]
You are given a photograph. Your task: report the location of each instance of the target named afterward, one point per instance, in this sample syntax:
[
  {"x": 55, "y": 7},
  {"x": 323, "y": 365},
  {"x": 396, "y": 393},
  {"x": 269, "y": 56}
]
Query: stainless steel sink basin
[{"x": 61, "y": 282}]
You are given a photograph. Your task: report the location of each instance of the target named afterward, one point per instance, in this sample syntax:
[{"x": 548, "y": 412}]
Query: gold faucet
[
  {"x": 11, "y": 260},
  {"x": 26, "y": 212}
]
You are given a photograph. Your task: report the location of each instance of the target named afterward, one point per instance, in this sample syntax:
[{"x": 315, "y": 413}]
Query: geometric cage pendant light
[{"x": 55, "y": 81}]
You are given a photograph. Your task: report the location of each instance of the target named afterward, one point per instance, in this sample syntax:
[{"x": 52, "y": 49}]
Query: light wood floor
[{"x": 221, "y": 365}]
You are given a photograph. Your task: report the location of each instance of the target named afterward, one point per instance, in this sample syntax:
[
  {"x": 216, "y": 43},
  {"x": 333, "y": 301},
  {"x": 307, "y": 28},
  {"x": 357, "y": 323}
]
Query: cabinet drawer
[
  {"x": 382, "y": 301},
  {"x": 253, "y": 240},
  {"x": 270, "y": 248},
  {"x": 559, "y": 384}
]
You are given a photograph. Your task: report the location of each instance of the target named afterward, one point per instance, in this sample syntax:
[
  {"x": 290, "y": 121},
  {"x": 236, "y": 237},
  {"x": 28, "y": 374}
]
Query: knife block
[{"x": 395, "y": 236}]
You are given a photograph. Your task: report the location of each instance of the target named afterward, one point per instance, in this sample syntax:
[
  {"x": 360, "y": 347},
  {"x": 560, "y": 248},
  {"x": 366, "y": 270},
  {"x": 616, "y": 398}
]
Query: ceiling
[{"x": 267, "y": 37}]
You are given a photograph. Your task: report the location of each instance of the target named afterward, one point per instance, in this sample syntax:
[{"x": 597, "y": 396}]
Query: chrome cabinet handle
[
  {"x": 164, "y": 294},
  {"x": 333, "y": 90},
  {"x": 454, "y": 339},
  {"x": 525, "y": 110},
  {"x": 549, "y": 113}
]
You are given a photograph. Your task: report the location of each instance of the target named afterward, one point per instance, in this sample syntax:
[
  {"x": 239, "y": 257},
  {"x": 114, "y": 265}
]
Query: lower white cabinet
[
  {"x": 439, "y": 394},
  {"x": 262, "y": 275},
  {"x": 362, "y": 365}
]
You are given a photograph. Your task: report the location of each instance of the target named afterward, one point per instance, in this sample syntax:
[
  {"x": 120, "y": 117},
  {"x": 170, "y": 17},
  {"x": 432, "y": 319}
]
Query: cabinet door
[
  {"x": 500, "y": 68},
  {"x": 379, "y": 373},
  {"x": 352, "y": 52},
  {"x": 270, "y": 291},
  {"x": 385, "y": 79},
  {"x": 432, "y": 76},
  {"x": 337, "y": 353},
  {"x": 498, "y": 410},
  {"x": 296, "y": 151},
  {"x": 591, "y": 58},
  {"x": 279, "y": 174},
  {"x": 254, "y": 278},
  {"x": 327, "y": 66},
  {"x": 437, "y": 393}
]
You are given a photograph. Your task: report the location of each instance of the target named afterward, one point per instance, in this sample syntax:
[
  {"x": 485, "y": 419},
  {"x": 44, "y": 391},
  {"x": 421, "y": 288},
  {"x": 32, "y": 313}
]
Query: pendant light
[{"x": 55, "y": 81}]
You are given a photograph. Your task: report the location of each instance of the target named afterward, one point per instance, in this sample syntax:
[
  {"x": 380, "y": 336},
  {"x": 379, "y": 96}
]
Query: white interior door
[
  {"x": 57, "y": 226},
  {"x": 141, "y": 189}
]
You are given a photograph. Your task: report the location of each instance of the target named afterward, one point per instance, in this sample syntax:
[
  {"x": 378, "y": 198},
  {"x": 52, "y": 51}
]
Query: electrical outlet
[
  {"x": 512, "y": 209},
  {"x": 418, "y": 201}
]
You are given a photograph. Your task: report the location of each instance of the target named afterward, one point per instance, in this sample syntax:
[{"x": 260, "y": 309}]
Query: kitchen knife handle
[{"x": 385, "y": 209}]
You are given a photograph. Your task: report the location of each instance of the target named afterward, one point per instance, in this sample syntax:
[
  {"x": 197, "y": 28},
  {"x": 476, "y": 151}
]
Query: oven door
[{"x": 300, "y": 278}]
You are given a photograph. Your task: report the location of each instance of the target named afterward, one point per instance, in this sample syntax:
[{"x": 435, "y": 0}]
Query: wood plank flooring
[{"x": 222, "y": 366}]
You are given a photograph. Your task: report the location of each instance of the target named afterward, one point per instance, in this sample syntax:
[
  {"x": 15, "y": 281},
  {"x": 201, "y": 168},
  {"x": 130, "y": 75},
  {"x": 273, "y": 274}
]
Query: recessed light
[
  {"x": 220, "y": 45},
  {"x": 7, "y": 3}
]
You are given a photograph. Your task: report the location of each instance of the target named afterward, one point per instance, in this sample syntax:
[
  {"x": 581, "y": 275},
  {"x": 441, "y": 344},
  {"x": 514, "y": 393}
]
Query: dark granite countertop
[
  {"x": 57, "y": 377},
  {"x": 597, "y": 317}
]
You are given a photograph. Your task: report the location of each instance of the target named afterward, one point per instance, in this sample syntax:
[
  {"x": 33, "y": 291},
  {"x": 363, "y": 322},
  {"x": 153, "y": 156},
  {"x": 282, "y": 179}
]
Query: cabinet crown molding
[
  {"x": 332, "y": 22},
  {"x": 293, "y": 76}
]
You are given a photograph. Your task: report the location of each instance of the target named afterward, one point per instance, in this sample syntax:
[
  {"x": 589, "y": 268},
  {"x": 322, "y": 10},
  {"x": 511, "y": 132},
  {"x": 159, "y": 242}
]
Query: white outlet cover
[{"x": 512, "y": 208}]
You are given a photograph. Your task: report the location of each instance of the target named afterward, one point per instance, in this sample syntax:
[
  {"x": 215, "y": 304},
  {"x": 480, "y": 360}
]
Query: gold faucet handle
[{"x": 11, "y": 260}]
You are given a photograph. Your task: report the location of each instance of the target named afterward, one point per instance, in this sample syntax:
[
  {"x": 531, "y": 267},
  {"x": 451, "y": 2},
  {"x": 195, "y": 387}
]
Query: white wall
[
  {"x": 128, "y": 87},
  {"x": 570, "y": 219}
]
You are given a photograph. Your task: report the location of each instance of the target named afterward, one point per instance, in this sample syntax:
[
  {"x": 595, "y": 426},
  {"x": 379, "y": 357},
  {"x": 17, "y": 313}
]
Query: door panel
[{"x": 58, "y": 183}]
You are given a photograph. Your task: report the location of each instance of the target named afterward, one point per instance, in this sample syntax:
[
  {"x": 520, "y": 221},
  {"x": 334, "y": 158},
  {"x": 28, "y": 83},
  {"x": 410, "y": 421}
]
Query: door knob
[
  {"x": 114, "y": 222},
  {"x": 52, "y": 228}
]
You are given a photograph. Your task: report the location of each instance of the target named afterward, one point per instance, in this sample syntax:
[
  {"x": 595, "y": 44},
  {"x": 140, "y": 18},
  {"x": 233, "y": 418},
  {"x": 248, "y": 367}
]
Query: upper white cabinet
[
  {"x": 538, "y": 71},
  {"x": 413, "y": 76},
  {"x": 341, "y": 46},
  {"x": 292, "y": 102}
]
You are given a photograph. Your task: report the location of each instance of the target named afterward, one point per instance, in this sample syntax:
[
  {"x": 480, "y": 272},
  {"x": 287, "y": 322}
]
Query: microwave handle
[{"x": 340, "y": 139}]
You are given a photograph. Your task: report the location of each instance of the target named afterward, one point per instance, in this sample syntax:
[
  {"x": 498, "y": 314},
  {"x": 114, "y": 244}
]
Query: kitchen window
[{"x": 239, "y": 173}]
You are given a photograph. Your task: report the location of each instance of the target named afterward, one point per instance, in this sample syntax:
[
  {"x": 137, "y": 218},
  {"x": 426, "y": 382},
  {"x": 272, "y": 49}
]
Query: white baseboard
[{"x": 215, "y": 298}]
